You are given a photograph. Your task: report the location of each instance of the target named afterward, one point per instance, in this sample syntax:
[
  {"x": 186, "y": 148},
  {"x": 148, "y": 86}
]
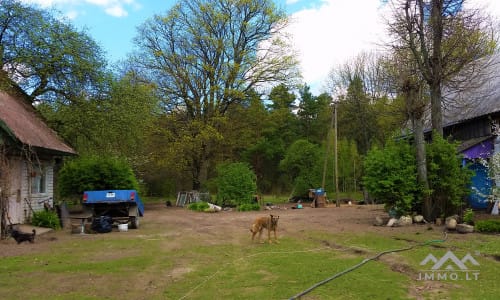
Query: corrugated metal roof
[
  {"x": 26, "y": 126},
  {"x": 476, "y": 102}
]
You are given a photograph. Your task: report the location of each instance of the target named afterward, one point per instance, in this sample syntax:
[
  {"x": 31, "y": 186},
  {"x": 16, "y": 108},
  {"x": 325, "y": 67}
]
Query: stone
[
  {"x": 465, "y": 228},
  {"x": 405, "y": 221},
  {"x": 392, "y": 222},
  {"x": 451, "y": 223},
  {"x": 418, "y": 219}
]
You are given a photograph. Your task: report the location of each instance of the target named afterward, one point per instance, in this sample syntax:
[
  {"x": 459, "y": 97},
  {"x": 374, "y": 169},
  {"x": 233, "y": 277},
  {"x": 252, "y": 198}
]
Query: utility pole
[
  {"x": 327, "y": 152},
  {"x": 337, "y": 200}
]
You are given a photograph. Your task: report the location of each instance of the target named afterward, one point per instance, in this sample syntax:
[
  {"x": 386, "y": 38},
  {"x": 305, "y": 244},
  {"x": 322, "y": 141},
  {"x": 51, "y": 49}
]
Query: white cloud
[
  {"x": 72, "y": 14},
  {"x": 116, "y": 11},
  {"x": 335, "y": 31},
  {"x": 115, "y": 8}
]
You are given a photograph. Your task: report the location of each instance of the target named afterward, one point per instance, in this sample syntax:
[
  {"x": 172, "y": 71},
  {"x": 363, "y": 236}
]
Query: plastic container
[{"x": 122, "y": 227}]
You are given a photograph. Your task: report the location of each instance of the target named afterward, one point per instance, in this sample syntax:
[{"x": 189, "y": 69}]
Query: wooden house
[
  {"x": 30, "y": 152},
  {"x": 473, "y": 118}
]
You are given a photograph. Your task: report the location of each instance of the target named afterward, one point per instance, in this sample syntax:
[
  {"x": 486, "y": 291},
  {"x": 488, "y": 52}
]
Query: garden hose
[{"x": 364, "y": 262}]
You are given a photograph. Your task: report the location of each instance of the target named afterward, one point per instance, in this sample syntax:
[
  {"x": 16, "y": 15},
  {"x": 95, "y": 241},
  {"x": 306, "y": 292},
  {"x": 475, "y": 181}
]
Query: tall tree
[
  {"x": 206, "y": 56},
  {"x": 411, "y": 88},
  {"x": 314, "y": 114},
  {"x": 364, "y": 81},
  {"x": 444, "y": 38},
  {"x": 357, "y": 116},
  {"x": 115, "y": 125},
  {"x": 279, "y": 129},
  {"x": 47, "y": 57}
]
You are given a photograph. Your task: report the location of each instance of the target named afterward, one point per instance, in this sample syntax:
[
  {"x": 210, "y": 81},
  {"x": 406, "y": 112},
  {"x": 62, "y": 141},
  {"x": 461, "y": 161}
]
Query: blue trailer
[{"x": 122, "y": 206}]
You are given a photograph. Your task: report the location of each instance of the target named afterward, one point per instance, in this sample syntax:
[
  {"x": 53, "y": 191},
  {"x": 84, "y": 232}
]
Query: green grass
[{"x": 166, "y": 267}]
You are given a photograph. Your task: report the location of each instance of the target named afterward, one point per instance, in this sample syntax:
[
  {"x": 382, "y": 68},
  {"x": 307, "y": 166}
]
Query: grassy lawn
[{"x": 152, "y": 264}]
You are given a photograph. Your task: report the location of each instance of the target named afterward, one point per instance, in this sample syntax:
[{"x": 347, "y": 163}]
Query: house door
[{"x": 481, "y": 186}]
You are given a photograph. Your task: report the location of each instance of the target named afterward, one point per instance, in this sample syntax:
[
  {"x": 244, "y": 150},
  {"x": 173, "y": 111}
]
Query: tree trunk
[
  {"x": 436, "y": 65},
  {"x": 436, "y": 109},
  {"x": 418, "y": 129}
]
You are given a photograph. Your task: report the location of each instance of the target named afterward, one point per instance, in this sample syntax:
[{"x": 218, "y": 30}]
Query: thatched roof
[{"x": 19, "y": 119}]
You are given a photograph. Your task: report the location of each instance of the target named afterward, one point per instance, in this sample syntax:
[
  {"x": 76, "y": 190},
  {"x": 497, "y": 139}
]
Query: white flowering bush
[{"x": 495, "y": 173}]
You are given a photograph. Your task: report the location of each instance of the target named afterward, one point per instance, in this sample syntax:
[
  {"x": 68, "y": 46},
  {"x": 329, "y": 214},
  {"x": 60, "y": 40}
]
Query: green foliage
[
  {"x": 303, "y": 163},
  {"x": 314, "y": 115},
  {"x": 489, "y": 226},
  {"x": 390, "y": 176},
  {"x": 249, "y": 207},
  {"x": 448, "y": 180},
  {"x": 357, "y": 116},
  {"x": 62, "y": 61},
  {"x": 236, "y": 183},
  {"x": 95, "y": 173},
  {"x": 205, "y": 56},
  {"x": 469, "y": 216},
  {"x": 48, "y": 219},
  {"x": 198, "y": 206}
]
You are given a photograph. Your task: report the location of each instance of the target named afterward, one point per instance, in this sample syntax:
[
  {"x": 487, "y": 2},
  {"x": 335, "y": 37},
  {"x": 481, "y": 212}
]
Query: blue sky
[{"x": 326, "y": 33}]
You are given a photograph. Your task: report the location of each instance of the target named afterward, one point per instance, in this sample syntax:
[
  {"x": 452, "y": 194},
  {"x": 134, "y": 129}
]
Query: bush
[
  {"x": 391, "y": 177},
  {"x": 489, "y": 226},
  {"x": 248, "y": 207},
  {"x": 236, "y": 184},
  {"x": 448, "y": 180},
  {"x": 198, "y": 206},
  {"x": 469, "y": 216},
  {"x": 48, "y": 219},
  {"x": 95, "y": 173}
]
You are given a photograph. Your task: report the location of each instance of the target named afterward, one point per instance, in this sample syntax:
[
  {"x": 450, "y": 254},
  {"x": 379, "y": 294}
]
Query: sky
[{"x": 325, "y": 33}]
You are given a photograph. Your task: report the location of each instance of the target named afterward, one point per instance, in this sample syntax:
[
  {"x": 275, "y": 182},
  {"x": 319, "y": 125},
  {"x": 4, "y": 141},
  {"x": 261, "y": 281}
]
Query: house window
[{"x": 38, "y": 180}]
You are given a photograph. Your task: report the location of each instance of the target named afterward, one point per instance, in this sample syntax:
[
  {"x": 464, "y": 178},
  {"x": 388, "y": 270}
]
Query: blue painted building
[{"x": 474, "y": 119}]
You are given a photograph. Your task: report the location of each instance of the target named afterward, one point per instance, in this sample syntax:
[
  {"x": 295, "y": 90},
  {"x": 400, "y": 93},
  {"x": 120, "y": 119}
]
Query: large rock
[
  {"x": 392, "y": 222},
  {"x": 451, "y": 223},
  {"x": 465, "y": 228},
  {"x": 418, "y": 219},
  {"x": 404, "y": 221}
]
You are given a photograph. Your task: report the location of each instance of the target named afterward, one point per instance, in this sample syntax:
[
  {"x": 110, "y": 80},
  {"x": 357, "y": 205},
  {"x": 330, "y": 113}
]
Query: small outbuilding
[{"x": 30, "y": 153}]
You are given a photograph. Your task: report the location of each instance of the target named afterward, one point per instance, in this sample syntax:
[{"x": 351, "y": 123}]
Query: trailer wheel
[{"x": 134, "y": 222}]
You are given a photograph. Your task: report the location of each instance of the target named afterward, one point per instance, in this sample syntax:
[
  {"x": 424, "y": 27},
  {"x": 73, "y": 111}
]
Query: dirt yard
[
  {"x": 234, "y": 225},
  {"x": 179, "y": 225}
]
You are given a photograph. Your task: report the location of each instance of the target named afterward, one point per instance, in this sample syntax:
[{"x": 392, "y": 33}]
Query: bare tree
[
  {"x": 364, "y": 66},
  {"x": 445, "y": 40}
]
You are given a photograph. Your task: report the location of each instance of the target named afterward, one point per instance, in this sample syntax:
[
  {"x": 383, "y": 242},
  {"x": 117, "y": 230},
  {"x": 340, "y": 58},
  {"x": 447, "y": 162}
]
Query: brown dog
[{"x": 270, "y": 223}]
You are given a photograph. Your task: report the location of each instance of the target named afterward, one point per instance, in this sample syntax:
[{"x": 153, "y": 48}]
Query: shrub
[
  {"x": 248, "y": 207},
  {"x": 48, "y": 219},
  {"x": 469, "y": 216},
  {"x": 448, "y": 180},
  {"x": 95, "y": 173},
  {"x": 490, "y": 226},
  {"x": 236, "y": 184},
  {"x": 198, "y": 206},
  {"x": 391, "y": 177}
]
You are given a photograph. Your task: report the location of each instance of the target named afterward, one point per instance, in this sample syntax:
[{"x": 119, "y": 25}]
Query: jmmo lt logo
[{"x": 449, "y": 267}]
